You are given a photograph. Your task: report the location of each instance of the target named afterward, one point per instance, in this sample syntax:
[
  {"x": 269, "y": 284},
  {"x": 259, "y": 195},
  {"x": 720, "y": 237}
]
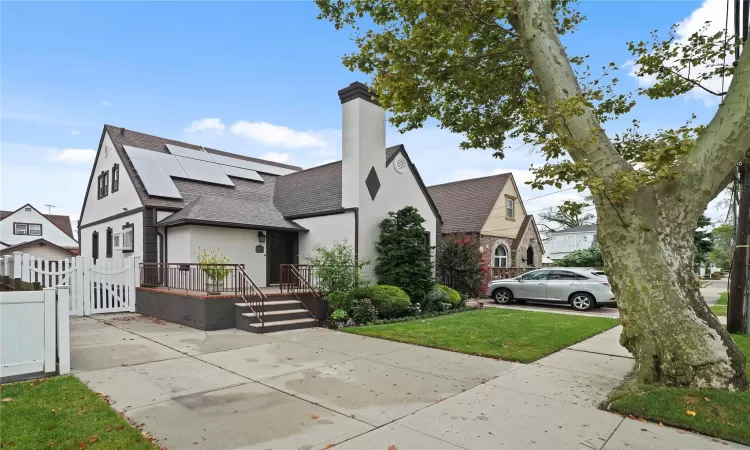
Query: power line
[
  {"x": 516, "y": 228},
  {"x": 545, "y": 195}
]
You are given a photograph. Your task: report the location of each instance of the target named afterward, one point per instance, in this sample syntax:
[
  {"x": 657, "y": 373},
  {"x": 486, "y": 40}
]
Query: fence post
[
  {"x": 63, "y": 329},
  {"x": 86, "y": 280},
  {"x": 17, "y": 262},
  {"x": 8, "y": 266},
  {"x": 49, "y": 329},
  {"x": 26, "y": 267},
  {"x": 136, "y": 277}
]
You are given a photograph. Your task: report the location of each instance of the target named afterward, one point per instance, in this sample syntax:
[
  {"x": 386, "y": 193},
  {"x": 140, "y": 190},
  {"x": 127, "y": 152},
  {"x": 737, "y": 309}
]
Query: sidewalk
[{"x": 319, "y": 388}]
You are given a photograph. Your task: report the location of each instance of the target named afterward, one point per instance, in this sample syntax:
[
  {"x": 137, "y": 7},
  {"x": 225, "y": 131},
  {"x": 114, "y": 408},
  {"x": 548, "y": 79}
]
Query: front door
[{"x": 280, "y": 251}]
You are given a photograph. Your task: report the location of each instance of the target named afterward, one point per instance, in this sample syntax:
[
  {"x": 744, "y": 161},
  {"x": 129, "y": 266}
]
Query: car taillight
[{"x": 604, "y": 283}]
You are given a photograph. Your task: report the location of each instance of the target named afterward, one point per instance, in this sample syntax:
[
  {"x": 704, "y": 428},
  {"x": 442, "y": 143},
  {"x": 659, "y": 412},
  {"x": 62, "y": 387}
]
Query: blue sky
[{"x": 266, "y": 73}]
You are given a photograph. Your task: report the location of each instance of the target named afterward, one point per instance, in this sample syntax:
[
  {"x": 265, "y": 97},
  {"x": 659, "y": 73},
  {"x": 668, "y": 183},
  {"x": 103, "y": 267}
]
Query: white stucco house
[
  {"x": 47, "y": 236},
  {"x": 163, "y": 200},
  {"x": 563, "y": 242}
]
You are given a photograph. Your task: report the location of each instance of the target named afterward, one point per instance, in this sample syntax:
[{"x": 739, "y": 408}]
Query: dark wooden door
[{"x": 280, "y": 251}]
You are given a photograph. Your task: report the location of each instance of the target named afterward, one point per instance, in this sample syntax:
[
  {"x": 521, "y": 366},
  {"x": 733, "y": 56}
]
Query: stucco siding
[
  {"x": 497, "y": 223},
  {"x": 116, "y": 224},
  {"x": 397, "y": 190},
  {"x": 239, "y": 245},
  {"x": 126, "y": 197},
  {"x": 50, "y": 232},
  {"x": 325, "y": 230}
]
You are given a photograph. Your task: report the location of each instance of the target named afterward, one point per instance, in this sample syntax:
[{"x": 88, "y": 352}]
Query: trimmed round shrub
[
  {"x": 363, "y": 312},
  {"x": 339, "y": 300},
  {"x": 390, "y": 301},
  {"x": 453, "y": 296}
]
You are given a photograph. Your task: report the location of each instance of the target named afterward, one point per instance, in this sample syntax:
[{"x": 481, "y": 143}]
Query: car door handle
[
  {"x": 540, "y": 284},
  {"x": 573, "y": 284}
]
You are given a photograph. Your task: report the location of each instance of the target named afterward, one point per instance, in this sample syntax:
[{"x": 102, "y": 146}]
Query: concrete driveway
[{"x": 311, "y": 389}]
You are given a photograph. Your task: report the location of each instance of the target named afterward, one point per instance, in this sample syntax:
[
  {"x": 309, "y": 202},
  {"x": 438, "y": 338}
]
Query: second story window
[
  {"x": 509, "y": 208},
  {"x": 30, "y": 229},
  {"x": 115, "y": 178},
  {"x": 103, "y": 184}
]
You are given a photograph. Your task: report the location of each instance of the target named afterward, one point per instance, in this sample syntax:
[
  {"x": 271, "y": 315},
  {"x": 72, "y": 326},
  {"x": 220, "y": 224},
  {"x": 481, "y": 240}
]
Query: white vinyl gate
[{"x": 102, "y": 286}]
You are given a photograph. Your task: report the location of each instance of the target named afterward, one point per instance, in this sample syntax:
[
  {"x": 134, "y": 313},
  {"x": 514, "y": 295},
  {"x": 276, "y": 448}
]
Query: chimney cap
[{"x": 358, "y": 90}]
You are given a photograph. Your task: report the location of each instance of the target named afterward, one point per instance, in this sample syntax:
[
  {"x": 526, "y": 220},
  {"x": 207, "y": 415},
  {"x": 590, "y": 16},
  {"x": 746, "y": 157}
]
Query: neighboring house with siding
[
  {"x": 491, "y": 209},
  {"x": 26, "y": 230},
  {"x": 163, "y": 200},
  {"x": 562, "y": 243}
]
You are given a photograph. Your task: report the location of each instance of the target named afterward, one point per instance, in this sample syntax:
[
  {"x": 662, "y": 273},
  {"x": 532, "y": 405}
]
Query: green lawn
[
  {"x": 717, "y": 413},
  {"x": 508, "y": 334},
  {"x": 62, "y": 413},
  {"x": 721, "y": 306}
]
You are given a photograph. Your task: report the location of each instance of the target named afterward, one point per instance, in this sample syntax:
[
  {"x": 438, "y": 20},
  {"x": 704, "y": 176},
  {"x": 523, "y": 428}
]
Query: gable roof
[
  {"x": 528, "y": 221},
  {"x": 578, "y": 229},
  {"x": 465, "y": 205},
  {"x": 60, "y": 221},
  {"x": 318, "y": 190}
]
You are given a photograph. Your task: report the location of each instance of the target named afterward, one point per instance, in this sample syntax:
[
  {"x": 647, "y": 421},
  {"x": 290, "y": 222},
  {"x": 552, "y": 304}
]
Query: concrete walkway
[{"x": 311, "y": 389}]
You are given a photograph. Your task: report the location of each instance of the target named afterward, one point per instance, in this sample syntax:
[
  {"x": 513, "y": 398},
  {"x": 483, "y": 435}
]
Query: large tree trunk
[
  {"x": 647, "y": 242},
  {"x": 675, "y": 338}
]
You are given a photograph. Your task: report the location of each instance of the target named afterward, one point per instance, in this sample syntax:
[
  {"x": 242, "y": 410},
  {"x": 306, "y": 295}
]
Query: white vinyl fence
[
  {"x": 34, "y": 332},
  {"x": 102, "y": 286}
]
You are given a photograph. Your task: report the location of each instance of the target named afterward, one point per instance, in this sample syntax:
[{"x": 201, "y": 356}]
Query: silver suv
[{"x": 578, "y": 287}]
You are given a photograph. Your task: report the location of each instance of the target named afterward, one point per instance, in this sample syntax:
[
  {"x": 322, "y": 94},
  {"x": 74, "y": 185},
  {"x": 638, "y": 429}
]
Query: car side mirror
[{"x": 520, "y": 280}]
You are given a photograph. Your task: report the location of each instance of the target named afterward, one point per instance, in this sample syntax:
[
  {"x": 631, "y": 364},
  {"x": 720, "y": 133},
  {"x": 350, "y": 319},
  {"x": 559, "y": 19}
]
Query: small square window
[
  {"x": 35, "y": 229},
  {"x": 20, "y": 228}
]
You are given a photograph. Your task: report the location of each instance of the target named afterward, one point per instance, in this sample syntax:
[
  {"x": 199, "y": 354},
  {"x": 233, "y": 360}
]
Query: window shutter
[
  {"x": 109, "y": 242},
  {"x": 95, "y": 245}
]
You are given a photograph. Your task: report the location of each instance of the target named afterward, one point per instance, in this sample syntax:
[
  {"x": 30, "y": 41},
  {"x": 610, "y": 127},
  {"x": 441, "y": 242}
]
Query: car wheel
[
  {"x": 502, "y": 296},
  {"x": 580, "y": 301}
]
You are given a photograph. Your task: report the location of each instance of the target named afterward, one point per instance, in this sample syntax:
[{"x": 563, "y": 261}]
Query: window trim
[
  {"x": 128, "y": 227},
  {"x": 497, "y": 259},
  {"x": 27, "y": 226},
  {"x": 115, "y": 178},
  {"x": 511, "y": 207}
]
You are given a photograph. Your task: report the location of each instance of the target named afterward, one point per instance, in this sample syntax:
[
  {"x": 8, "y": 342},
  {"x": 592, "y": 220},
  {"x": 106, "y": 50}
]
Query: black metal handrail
[
  {"x": 292, "y": 281},
  {"x": 248, "y": 288},
  {"x": 211, "y": 278}
]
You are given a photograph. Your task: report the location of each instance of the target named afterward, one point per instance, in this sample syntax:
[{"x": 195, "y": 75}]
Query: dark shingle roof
[
  {"x": 465, "y": 205},
  {"x": 310, "y": 191},
  {"x": 582, "y": 228},
  {"x": 521, "y": 231},
  {"x": 61, "y": 222}
]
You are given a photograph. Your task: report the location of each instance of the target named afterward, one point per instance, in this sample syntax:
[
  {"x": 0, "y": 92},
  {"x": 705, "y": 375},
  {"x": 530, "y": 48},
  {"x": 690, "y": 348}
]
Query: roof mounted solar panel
[
  {"x": 229, "y": 161},
  {"x": 266, "y": 168},
  {"x": 241, "y": 173},
  {"x": 156, "y": 182},
  {"x": 169, "y": 165},
  {"x": 204, "y": 171},
  {"x": 188, "y": 153}
]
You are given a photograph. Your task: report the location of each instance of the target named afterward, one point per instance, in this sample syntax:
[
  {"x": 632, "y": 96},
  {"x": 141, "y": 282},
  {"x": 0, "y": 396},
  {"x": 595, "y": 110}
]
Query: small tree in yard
[
  {"x": 722, "y": 238},
  {"x": 494, "y": 70},
  {"x": 404, "y": 257},
  {"x": 337, "y": 269},
  {"x": 459, "y": 264},
  {"x": 588, "y": 257}
]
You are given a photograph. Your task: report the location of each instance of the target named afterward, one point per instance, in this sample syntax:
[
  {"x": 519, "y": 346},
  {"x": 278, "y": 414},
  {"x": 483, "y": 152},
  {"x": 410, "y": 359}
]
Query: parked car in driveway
[{"x": 578, "y": 287}]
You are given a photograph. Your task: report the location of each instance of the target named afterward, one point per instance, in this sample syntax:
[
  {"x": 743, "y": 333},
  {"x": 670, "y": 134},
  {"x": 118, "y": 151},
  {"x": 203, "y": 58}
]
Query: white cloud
[
  {"x": 105, "y": 103},
  {"x": 75, "y": 133},
  {"x": 276, "y": 157},
  {"x": 74, "y": 155},
  {"x": 715, "y": 12},
  {"x": 208, "y": 125},
  {"x": 278, "y": 135}
]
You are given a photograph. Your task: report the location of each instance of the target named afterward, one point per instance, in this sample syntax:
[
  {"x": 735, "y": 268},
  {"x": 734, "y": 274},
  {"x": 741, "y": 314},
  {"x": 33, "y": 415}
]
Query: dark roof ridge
[
  {"x": 313, "y": 168},
  {"x": 472, "y": 179}
]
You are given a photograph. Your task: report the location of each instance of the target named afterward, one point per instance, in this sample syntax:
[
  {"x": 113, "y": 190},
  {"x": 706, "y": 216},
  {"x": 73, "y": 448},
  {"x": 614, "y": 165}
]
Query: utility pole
[
  {"x": 738, "y": 293},
  {"x": 738, "y": 275}
]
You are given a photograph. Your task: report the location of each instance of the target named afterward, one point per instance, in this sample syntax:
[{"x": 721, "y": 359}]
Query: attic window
[
  {"x": 510, "y": 207},
  {"x": 103, "y": 184},
  {"x": 31, "y": 229},
  {"x": 115, "y": 177}
]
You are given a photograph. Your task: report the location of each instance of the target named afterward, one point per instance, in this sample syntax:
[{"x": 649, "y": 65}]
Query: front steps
[{"x": 282, "y": 312}]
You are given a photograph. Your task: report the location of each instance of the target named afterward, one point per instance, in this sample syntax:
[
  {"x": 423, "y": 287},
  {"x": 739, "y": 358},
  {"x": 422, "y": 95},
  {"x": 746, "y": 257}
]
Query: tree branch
[
  {"x": 535, "y": 23},
  {"x": 724, "y": 142},
  {"x": 693, "y": 82}
]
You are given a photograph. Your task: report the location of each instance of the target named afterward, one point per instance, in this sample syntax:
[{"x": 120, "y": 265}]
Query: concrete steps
[{"x": 281, "y": 313}]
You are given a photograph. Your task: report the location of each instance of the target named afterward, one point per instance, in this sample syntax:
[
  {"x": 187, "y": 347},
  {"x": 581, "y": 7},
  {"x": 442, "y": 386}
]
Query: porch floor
[{"x": 268, "y": 291}]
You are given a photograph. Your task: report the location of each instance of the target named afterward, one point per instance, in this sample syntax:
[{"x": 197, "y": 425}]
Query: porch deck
[{"x": 268, "y": 291}]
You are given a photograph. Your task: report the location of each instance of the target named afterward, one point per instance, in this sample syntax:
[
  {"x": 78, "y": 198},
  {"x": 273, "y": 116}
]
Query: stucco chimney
[{"x": 363, "y": 145}]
